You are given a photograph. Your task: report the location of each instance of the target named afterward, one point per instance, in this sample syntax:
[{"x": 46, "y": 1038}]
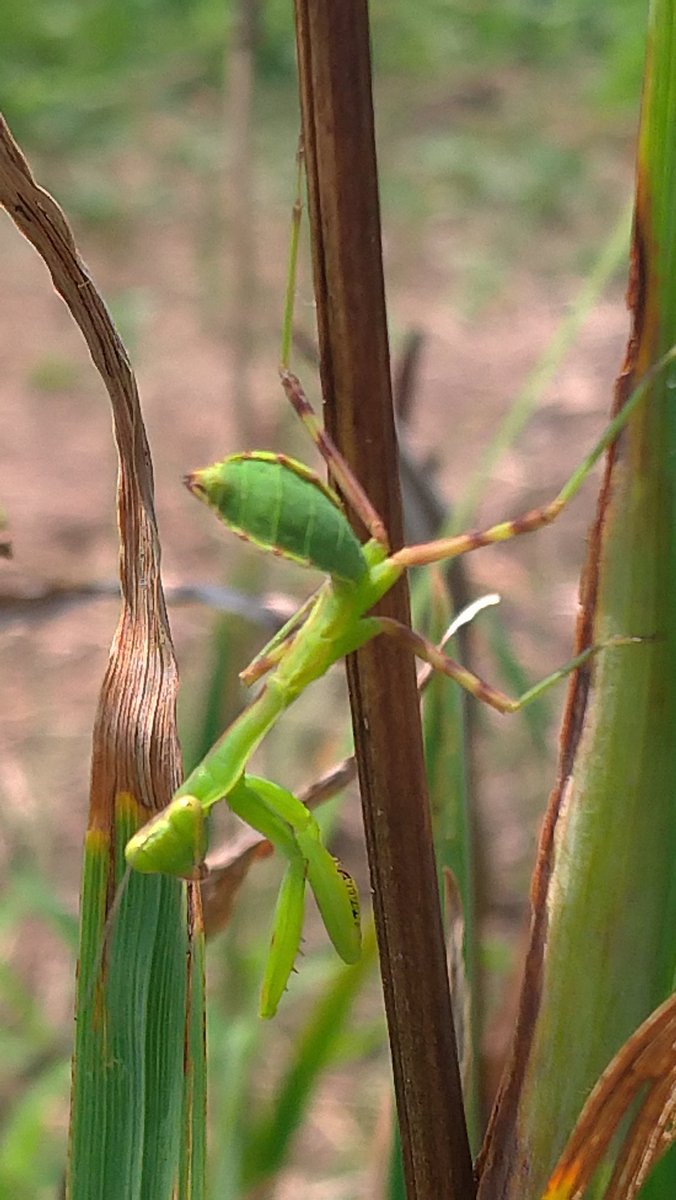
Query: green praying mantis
[{"x": 284, "y": 508}]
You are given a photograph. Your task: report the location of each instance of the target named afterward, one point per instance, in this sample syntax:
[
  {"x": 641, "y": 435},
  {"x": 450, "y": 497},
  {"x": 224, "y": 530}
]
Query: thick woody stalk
[{"x": 335, "y": 76}]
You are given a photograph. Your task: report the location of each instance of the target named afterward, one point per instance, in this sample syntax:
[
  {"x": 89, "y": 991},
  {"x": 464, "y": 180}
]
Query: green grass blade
[
  {"x": 610, "y": 258},
  {"x": 128, "y": 1068},
  {"x": 233, "y": 1042},
  {"x": 193, "y": 1155},
  {"x": 447, "y": 762},
  {"x": 603, "y": 950},
  {"x": 396, "y": 1184},
  {"x": 128, "y": 1071}
]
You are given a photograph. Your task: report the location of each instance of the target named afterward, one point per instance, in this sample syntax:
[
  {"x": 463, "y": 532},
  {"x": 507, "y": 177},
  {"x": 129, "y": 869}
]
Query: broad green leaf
[{"x": 603, "y": 946}]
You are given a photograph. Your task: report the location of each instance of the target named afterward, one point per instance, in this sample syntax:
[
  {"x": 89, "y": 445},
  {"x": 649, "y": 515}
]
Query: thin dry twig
[{"x": 49, "y": 599}]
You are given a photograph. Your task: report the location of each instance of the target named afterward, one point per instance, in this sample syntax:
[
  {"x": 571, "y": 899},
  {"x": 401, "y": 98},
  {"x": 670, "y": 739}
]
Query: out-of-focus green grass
[
  {"x": 67, "y": 64},
  {"x": 81, "y": 82}
]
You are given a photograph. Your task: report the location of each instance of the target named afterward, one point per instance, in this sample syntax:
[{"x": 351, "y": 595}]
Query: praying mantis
[{"x": 285, "y": 509}]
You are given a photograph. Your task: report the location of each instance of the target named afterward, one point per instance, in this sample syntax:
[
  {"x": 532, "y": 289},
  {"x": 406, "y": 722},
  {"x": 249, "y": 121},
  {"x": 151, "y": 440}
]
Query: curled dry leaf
[
  {"x": 647, "y": 1064},
  {"x": 136, "y": 765},
  {"x": 227, "y": 872},
  {"x": 135, "y": 745}
]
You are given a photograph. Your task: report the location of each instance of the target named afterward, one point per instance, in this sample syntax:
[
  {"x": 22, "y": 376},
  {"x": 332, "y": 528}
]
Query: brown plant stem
[{"x": 335, "y": 79}]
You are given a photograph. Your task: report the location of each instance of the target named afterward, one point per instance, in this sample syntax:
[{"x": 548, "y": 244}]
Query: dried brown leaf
[
  {"x": 646, "y": 1063},
  {"x": 226, "y": 876},
  {"x": 135, "y": 750}
]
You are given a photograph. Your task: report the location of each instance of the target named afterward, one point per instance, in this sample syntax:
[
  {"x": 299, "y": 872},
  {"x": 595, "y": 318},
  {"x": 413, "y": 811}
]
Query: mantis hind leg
[
  {"x": 453, "y": 547},
  {"x": 472, "y": 683}
]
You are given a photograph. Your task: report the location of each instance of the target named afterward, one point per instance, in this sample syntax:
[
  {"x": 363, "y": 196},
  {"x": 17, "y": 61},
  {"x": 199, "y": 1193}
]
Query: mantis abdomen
[{"x": 283, "y": 507}]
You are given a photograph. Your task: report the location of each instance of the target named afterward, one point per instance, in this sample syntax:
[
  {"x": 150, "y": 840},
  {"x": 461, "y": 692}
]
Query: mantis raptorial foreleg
[
  {"x": 177, "y": 841},
  {"x": 287, "y": 931},
  {"x": 334, "y": 889},
  {"x": 281, "y": 818},
  {"x": 273, "y": 651}
]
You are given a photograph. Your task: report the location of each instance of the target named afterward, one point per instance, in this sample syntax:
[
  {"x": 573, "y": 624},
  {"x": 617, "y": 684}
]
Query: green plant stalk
[
  {"x": 603, "y": 951},
  {"x": 193, "y": 1149},
  {"x": 444, "y": 708},
  {"x": 446, "y": 759},
  {"x": 128, "y": 1067}
]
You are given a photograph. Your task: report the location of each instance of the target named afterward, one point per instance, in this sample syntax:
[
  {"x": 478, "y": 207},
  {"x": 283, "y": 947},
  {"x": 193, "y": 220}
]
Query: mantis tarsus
[{"x": 284, "y": 508}]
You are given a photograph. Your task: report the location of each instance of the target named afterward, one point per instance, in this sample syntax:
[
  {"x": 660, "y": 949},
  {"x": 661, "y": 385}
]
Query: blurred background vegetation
[
  {"x": 506, "y": 149},
  {"x": 85, "y": 78}
]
